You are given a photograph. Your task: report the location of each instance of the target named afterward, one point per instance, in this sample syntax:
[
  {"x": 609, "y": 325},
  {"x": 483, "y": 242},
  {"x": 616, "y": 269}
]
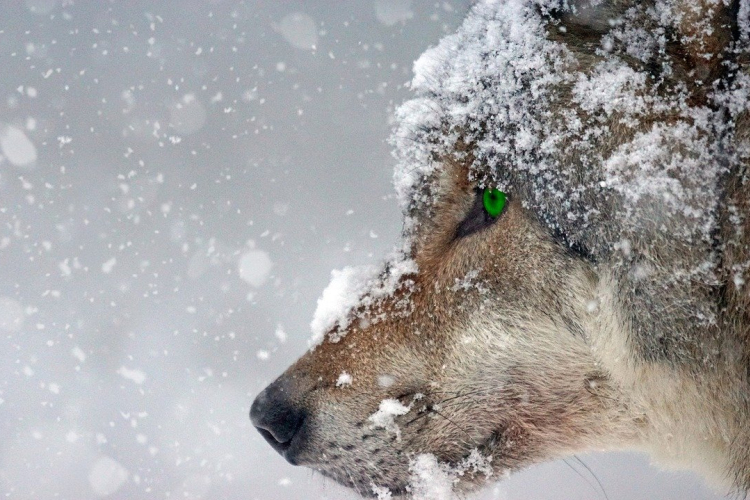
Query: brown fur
[{"x": 558, "y": 346}]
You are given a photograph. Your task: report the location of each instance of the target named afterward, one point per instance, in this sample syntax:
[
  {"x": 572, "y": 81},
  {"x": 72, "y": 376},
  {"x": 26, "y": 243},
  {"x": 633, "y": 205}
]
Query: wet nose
[{"x": 277, "y": 418}]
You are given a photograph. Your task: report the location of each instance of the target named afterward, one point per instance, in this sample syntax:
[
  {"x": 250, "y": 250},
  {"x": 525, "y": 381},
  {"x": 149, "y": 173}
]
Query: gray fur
[{"x": 607, "y": 307}]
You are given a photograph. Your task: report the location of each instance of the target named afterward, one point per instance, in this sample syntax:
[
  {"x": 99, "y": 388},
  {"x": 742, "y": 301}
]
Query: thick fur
[{"x": 540, "y": 335}]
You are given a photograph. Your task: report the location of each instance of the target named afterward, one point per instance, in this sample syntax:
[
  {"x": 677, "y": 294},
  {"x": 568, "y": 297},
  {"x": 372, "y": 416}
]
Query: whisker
[
  {"x": 579, "y": 474},
  {"x": 449, "y": 401},
  {"x": 455, "y": 424},
  {"x": 592, "y": 475}
]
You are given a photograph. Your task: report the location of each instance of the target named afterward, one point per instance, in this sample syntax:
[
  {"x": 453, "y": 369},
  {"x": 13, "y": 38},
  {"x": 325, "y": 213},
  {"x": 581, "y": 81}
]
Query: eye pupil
[{"x": 494, "y": 202}]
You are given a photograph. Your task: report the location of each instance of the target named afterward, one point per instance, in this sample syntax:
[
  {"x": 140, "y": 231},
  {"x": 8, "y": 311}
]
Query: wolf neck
[{"x": 687, "y": 412}]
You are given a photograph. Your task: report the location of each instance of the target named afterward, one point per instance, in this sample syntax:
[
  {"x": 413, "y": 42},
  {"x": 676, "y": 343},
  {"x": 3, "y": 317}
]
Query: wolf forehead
[{"x": 585, "y": 111}]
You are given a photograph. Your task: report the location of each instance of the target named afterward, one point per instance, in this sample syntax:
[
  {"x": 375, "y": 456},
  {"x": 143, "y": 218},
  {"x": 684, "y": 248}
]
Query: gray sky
[{"x": 177, "y": 180}]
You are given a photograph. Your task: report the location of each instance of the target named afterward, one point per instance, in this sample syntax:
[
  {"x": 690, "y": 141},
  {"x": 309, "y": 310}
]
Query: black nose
[{"x": 278, "y": 419}]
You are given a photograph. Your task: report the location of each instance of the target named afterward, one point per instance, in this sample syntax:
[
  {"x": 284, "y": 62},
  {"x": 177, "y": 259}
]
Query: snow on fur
[
  {"x": 341, "y": 295},
  {"x": 353, "y": 288},
  {"x": 495, "y": 87},
  {"x": 495, "y": 68},
  {"x": 388, "y": 410},
  {"x": 534, "y": 120},
  {"x": 494, "y": 84},
  {"x": 537, "y": 122},
  {"x": 609, "y": 148},
  {"x": 433, "y": 480}
]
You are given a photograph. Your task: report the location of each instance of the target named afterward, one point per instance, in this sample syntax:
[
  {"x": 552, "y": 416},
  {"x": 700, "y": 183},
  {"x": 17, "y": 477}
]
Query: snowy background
[{"x": 177, "y": 180}]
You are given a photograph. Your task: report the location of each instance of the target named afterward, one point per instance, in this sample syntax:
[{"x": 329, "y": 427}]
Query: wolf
[{"x": 574, "y": 273}]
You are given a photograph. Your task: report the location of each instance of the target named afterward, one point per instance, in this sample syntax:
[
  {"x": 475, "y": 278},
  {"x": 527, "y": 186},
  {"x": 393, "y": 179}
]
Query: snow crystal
[
  {"x": 109, "y": 265},
  {"x": 280, "y": 209},
  {"x": 381, "y": 492},
  {"x": 17, "y": 147},
  {"x": 612, "y": 87},
  {"x": 468, "y": 282},
  {"x": 280, "y": 333},
  {"x": 41, "y": 7},
  {"x": 743, "y": 20},
  {"x": 299, "y": 30},
  {"x": 383, "y": 418},
  {"x": 188, "y": 115},
  {"x": 432, "y": 480},
  {"x": 352, "y": 287},
  {"x": 11, "y": 315},
  {"x": 254, "y": 267},
  {"x": 136, "y": 376},
  {"x": 344, "y": 379},
  {"x": 107, "y": 476},
  {"x": 390, "y": 12},
  {"x": 650, "y": 156},
  {"x": 196, "y": 486}
]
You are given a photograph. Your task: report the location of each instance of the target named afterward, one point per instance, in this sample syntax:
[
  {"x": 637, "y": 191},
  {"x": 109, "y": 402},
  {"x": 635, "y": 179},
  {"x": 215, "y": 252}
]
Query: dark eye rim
[{"x": 478, "y": 219}]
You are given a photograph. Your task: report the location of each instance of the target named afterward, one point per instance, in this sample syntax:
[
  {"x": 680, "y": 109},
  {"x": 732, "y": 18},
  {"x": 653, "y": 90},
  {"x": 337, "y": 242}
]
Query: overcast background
[{"x": 177, "y": 180}]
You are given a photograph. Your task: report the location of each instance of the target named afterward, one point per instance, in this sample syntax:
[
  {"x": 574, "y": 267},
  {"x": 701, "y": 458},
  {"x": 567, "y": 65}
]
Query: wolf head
[
  {"x": 493, "y": 341},
  {"x": 490, "y": 354}
]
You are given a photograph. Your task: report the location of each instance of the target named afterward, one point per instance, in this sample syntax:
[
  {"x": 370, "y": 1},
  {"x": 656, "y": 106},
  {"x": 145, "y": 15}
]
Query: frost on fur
[
  {"x": 384, "y": 417},
  {"x": 344, "y": 380},
  {"x": 626, "y": 155},
  {"x": 354, "y": 288},
  {"x": 594, "y": 311},
  {"x": 493, "y": 85},
  {"x": 432, "y": 480}
]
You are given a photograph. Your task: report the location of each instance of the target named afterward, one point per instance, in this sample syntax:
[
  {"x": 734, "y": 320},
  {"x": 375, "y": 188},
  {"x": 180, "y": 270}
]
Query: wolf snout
[{"x": 279, "y": 420}]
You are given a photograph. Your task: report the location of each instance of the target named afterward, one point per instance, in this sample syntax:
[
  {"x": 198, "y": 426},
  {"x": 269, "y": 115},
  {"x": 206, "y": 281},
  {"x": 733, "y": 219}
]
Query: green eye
[{"x": 494, "y": 202}]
